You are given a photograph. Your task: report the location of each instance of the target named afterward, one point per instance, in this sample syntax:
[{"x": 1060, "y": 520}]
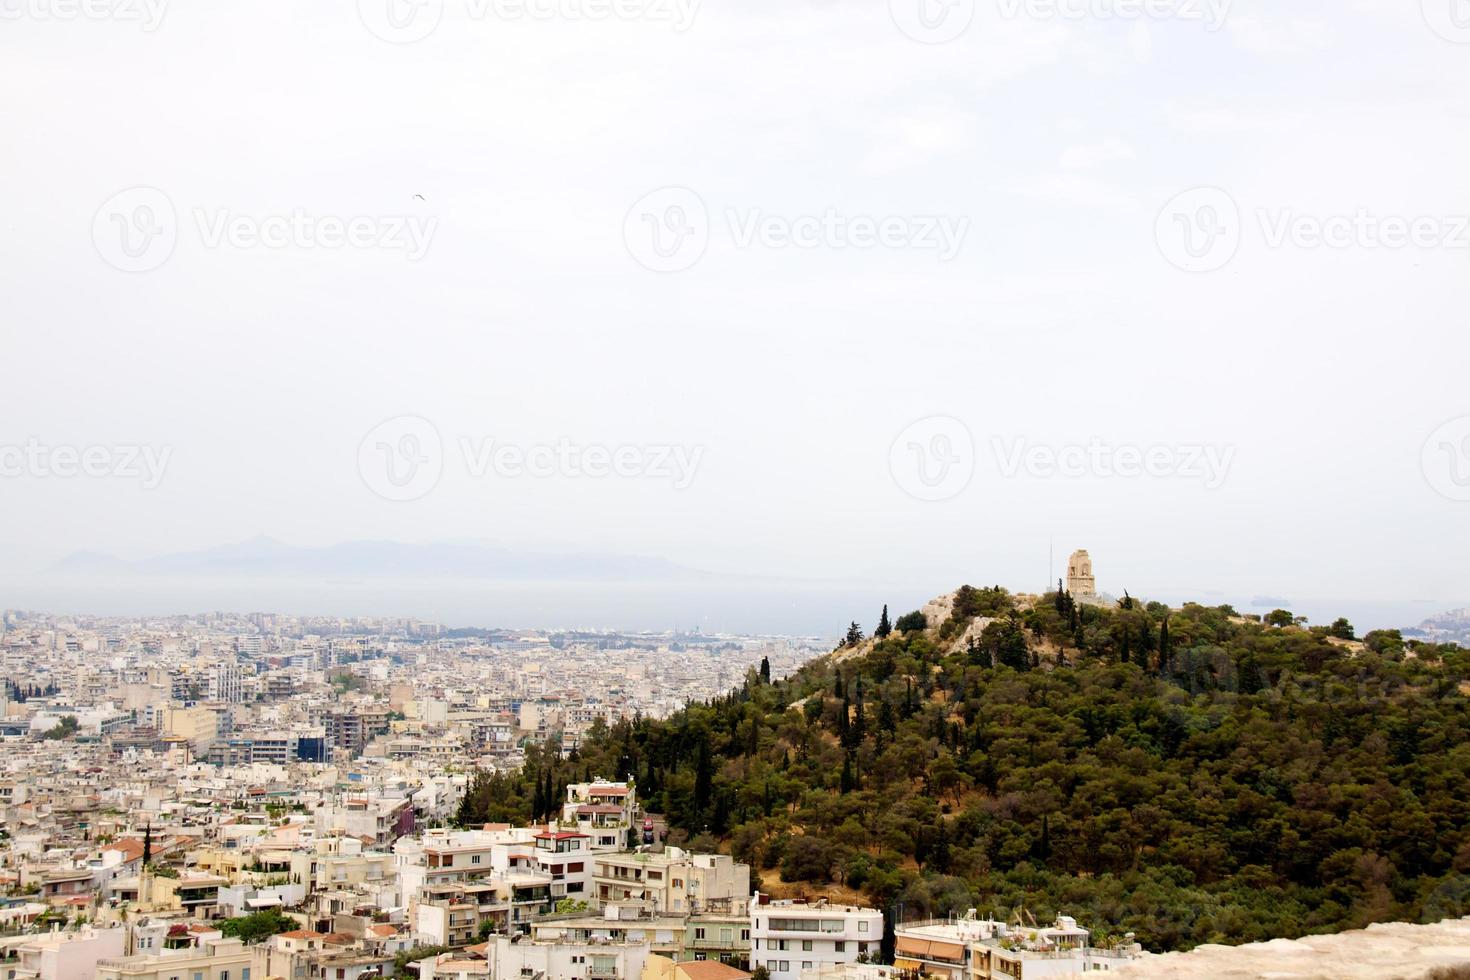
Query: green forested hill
[{"x": 1186, "y": 775}]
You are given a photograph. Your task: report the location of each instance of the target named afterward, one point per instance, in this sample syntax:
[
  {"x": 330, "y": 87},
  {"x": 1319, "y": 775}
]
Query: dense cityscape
[{"x": 217, "y": 796}]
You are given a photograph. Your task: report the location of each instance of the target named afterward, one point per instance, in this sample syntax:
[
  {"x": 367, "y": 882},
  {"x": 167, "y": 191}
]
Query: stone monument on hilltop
[{"x": 1080, "y": 581}]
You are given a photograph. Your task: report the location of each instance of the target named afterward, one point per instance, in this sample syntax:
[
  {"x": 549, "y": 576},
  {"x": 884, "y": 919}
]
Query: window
[
  {"x": 840, "y": 946},
  {"x": 806, "y": 945},
  {"x": 863, "y": 926},
  {"x": 474, "y": 859},
  {"x": 224, "y": 975},
  {"x": 806, "y": 964},
  {"x": 574, "y": 867},
  {"x": 745, "y": 935},
  {"x": 245, "y": 973},
  {"x": 699, "y": 933},
  {"x": 785, "y": 966}
]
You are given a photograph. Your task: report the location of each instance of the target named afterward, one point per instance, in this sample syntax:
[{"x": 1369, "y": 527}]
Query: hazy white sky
[{"x": 985, "y": 233}]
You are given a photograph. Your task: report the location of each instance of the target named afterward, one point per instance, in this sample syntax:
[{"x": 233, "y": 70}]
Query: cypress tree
[
  {"x": 704, "y": 775},
  {"x": 884, "y": 626},
  {"x": 1165, "y": 654}
]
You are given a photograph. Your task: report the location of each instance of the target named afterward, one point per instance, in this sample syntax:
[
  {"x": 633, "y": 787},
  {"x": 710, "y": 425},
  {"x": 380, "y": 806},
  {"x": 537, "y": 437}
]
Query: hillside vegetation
[{"x": 1187, "y": 775}]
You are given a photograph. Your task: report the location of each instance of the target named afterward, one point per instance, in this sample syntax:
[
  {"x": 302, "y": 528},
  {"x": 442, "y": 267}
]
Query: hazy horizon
[{"x": 648, "y": 593}]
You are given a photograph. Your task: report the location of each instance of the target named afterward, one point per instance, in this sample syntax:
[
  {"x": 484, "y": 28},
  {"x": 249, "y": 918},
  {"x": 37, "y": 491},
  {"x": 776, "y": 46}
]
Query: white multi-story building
[
  {"x": 225, "y": 684},
  {"x": 788, "y": 937},
  {"x": 512, "y": 959},
  {"x": 604, "y": 811},
  {"x": 64, "y": 955}
]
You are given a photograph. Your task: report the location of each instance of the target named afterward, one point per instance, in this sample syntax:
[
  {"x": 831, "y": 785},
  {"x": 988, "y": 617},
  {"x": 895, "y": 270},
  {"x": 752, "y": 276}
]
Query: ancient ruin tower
[{"x": 1080, "y": 581}]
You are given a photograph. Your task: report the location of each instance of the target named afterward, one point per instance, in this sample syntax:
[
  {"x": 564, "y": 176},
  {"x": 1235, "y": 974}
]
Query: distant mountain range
[{"x": 264, "y": 557}]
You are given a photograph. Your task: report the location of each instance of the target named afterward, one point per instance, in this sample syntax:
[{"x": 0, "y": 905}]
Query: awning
[{"x": 931, "y": 949}]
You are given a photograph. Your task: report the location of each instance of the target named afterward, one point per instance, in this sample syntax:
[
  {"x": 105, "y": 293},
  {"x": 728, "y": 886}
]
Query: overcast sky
[{"x": 840, "y": 289}]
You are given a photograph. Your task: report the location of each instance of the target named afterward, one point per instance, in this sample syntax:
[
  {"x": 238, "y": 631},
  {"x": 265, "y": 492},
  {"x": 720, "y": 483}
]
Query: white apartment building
[
  {"x": 515, "y": 959},
  {"x": 225, "y": 684},
  {"x": 552, "y": 861},
  {"x": 789, "y": 937},
  {"x": 63, "y": 955},
  {"x": 604, "y": 810},
  {"x": 215, "y": 959}
]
